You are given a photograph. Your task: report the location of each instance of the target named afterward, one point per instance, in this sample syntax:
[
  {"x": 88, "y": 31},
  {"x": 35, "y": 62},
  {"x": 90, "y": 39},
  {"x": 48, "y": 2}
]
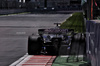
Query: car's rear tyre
[{"x": 34, "y": 46}]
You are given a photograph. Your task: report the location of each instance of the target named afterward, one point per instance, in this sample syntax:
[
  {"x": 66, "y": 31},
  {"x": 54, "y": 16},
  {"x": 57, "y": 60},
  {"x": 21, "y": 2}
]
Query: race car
[{"x": 49, "y": 41}]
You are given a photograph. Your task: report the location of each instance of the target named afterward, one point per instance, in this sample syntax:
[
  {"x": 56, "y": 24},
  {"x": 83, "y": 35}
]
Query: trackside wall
[
  {"x": 93, "y": 41},
  {"x": 11, "y": 11}
]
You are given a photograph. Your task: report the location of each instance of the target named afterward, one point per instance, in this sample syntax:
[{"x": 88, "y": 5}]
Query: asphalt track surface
[{"x": 14, "y": 30}]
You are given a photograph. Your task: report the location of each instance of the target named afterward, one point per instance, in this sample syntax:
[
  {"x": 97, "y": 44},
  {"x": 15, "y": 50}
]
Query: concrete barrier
[
  {"x": 93, "y": 41},
  {"x": 11, "y": 11}
]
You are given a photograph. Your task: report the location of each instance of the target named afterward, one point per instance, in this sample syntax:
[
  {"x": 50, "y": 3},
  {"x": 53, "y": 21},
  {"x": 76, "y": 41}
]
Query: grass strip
[
  {"x": 62, "y": 61},
  {"x": 76, "y": 22}
]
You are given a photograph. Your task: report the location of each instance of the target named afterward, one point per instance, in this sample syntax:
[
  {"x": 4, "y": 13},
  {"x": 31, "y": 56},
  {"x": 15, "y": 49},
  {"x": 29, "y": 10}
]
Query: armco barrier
[{"x": 93, "y": 41}]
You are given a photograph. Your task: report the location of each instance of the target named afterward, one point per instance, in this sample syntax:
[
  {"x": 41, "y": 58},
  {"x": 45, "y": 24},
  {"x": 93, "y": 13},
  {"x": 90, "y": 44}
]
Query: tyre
[{"x": 34, "y": 45}]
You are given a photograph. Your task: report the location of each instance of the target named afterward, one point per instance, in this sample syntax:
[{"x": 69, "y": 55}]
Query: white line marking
[
  {"x": 65, "y": 56},
  {"x": 19, "y": 60},
  {"x": 20, "y": 33},
  {"x": 72, "y": 55}
]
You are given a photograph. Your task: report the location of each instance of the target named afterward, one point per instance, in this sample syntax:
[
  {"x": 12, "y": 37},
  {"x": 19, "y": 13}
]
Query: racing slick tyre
[{"x": 34, "y": 45}]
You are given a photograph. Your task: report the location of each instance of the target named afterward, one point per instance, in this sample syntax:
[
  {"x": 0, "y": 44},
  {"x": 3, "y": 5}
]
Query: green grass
[
  {"x": 76, "y": 22},
  {"x": 62, "y": 61}
]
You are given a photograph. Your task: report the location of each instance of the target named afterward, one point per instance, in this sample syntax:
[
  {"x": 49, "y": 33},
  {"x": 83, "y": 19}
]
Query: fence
[{"x": 93, "y": 41}]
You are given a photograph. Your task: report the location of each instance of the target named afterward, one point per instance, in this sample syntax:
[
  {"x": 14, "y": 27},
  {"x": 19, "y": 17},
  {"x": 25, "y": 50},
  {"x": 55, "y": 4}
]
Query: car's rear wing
[{"x": 54, "y": 31}]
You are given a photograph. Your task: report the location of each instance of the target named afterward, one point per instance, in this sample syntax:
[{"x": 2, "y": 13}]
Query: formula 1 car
[{"x": 48, "y": 41}]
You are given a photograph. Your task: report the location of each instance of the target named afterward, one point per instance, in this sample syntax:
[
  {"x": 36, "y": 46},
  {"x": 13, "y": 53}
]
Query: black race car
[{"x": 48, "y": 41}]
